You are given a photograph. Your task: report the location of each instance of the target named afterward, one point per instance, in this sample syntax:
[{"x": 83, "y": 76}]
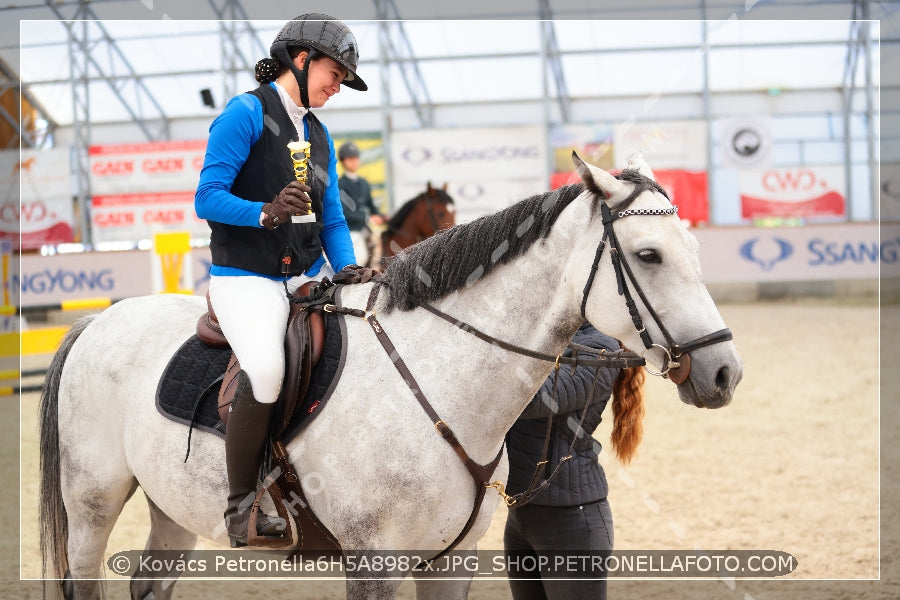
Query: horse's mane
[
  {"x": 396, "y": 221},
  {"x": 628, "y": 413},
  {"x": 459, "y": 256}
]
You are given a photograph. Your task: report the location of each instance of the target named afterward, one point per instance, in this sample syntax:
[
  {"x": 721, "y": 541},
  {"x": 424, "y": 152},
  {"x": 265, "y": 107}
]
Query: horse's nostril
[{"x": 723, "y": 378}]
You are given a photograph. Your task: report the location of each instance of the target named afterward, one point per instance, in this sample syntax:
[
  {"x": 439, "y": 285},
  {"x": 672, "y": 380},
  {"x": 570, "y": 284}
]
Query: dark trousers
[{"x": 559, "y": 538}]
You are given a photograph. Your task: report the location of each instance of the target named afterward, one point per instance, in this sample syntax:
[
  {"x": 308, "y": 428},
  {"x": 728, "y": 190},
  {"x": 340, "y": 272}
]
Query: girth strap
[{"x": 481, "y": 474}]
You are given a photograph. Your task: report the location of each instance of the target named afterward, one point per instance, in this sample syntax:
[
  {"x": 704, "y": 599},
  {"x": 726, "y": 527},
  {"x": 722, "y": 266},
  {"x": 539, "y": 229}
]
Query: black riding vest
[{"x": 265, "y": 173}]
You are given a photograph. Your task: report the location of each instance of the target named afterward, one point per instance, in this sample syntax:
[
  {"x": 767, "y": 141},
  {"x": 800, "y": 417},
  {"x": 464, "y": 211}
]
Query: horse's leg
[
  {"x": 369, "y": 577},
  {"x": 429, "y": 585},
  {"x": 172, "y": 540},
  {"x": 92, "y": 507},
  {"x": 369, "y": 587}
]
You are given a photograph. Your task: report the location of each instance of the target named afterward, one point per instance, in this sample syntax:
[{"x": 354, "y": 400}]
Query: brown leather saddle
[{"x": 303, "y": 343}]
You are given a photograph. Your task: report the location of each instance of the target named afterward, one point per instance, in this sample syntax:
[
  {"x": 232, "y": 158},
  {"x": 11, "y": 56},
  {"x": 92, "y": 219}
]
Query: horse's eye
[{"x": 649, "y": 256}]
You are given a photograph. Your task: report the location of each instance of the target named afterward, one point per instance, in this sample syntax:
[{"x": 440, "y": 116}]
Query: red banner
[{"x": 686, "y": 189}]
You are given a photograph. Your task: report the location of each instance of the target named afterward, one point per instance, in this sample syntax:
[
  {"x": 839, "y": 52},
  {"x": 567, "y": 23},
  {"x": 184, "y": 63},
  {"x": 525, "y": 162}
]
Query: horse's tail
[
  {"x": 53, "y": 519},
  {"x": 628, "y": 413}
]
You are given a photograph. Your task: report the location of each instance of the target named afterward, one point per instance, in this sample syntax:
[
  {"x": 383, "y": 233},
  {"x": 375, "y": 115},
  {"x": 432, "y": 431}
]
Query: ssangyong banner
[
  {"x": 803, "y": 192},
  {"x": 37, "y": 198},
  {"x": 485, "y": 169},
  {"x": 141, "y": 189},
  {"x": 729, "y": 254}
]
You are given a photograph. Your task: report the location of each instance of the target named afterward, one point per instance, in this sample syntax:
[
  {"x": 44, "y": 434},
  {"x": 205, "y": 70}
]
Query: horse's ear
[
  {"x": 596, "y": 179},
  {"x": 446, "y": 183},
  {"x": 428, "y": 188},
  {"x": 637, "y": 163}
]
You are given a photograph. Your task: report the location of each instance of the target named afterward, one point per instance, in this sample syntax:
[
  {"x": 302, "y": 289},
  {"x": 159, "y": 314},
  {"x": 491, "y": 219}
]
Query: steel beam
[
  {"x": 89, "y": 40},
  {"x": 551, "y": 54},
  {"x": 235, "y": 32},
  {"x": 395, "y": 43}
]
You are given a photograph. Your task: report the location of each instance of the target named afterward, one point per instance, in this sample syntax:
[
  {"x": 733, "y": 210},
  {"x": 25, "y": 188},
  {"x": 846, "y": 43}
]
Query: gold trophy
[{"x": 300, "y": 157}]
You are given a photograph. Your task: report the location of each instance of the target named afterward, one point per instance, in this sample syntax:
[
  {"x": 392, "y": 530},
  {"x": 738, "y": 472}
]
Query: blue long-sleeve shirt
[{"x": 231, "y": 136}]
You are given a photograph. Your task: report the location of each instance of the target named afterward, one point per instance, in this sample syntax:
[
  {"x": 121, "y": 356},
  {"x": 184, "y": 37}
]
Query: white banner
[
  {"x": 134, "y": 217},
  {"x": 141, "y": 189},
  {"x": 485, "y": 169},
  {"x": 37, "y": 202},
  {"x": 664, "y": 144},
  {"x": 49, "y": 280},
  {"x": 808, "y": 253},
  {"x": 793, "y": 192},
  {"x": 146, "y": 168},
  {"x": 728, "y": 254}
]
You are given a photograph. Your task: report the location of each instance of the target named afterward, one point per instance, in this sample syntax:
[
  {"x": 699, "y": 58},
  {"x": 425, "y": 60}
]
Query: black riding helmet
[
  {"x": 348, "y": 150},
  {"x": 320, "y": 34}
]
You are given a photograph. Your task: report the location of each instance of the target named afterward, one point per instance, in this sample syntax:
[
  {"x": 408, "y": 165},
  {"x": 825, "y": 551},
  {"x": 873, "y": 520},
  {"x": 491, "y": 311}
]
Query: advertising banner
[
  {"x": 130, "y": 217},
  {"x": 728, "y": 254},
  {"x": 664, "y": 144},
  {"x": 485, "y": 169},
  {"x": 371, "y": 163},
  {"x": 50, "y": 280},
  {"x": 747, "y": 143},
  {"x": 890, "y": 191},
  {"x": 142, "y": 168},
  {"x": 142, "y": 189},
  {"x": 686, "y": 189},
  {"x": 811, "y": 252},
  {"x": 37, "y": 198},
  {"x": 805, "y": 192}
]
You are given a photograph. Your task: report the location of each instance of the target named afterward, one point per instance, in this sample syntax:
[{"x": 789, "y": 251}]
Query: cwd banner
[
  {"x": 36, "y": 204},
  {"x": 485, "y": 169},
  {"x": 807, "y": 192},
  {"x": 142, "y": 189}
]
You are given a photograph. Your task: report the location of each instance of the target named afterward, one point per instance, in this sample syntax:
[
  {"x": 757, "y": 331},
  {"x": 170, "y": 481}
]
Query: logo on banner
[
  {"x": 746, "y": 143},
  {"x": 767, "y": 253},
  {"x": 24, "y": 165},
  {"x": 417, "y": 156},
  {"x": 470, "y": 190}
]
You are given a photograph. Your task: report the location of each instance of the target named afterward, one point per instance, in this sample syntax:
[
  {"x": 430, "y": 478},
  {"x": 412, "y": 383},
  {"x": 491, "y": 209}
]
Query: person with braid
[
  {"x": 248, "y": 193},
  {"x": 570, "y": 516}
]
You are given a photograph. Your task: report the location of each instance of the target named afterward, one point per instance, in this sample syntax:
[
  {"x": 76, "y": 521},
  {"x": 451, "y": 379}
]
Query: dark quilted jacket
[{"x": 581, "y": 479}]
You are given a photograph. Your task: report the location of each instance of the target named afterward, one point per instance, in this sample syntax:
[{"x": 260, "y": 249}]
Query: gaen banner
[
  {"x": 43, "y": 213},
  {"x": 485, "y": 169},
  {"x": 141, "y": 189}
]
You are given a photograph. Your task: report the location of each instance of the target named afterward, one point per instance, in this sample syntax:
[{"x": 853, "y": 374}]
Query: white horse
[{"x": 375, "y": 471}]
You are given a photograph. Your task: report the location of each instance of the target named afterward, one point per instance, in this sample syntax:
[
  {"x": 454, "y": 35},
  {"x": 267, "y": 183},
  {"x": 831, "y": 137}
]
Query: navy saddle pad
[{"x": 189, "y": 388}]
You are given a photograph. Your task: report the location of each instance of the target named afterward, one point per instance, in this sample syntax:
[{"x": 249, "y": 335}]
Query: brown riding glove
[
  {"x": 292, "y": 200},
  {"x": 354, "y": 274}
]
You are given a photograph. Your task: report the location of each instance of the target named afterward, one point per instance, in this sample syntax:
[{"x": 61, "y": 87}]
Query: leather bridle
[{"x": 676, "y": 364}]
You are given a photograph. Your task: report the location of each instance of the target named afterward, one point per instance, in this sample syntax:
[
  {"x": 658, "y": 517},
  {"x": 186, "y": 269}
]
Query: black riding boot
[{"x": 245, "y": 440}]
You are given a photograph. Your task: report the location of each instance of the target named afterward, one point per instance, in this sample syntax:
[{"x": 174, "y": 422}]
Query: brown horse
[{"x": 418, "y": 219}]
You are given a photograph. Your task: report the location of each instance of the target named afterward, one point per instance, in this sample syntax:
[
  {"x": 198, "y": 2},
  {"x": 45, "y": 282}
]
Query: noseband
[{"x": 677, "y": 362}]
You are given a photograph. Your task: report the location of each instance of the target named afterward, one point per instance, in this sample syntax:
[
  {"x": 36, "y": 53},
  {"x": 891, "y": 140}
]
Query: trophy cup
[{"x": 300, "y": 157}]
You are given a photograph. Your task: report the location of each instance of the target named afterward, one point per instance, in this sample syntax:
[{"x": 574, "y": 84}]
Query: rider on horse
[{"x": 248, "y": 194}]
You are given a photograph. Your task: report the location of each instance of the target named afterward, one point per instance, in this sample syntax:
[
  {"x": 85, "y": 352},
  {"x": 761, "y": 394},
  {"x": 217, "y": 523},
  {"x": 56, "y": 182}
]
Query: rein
[{"x": 673, "y": 368}]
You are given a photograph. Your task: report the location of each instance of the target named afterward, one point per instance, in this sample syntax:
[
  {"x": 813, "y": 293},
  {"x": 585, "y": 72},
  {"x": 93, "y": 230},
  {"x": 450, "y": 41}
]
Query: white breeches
[
  {"x": 252, "y": 313},
  {"x": 360, "y": 246}
]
